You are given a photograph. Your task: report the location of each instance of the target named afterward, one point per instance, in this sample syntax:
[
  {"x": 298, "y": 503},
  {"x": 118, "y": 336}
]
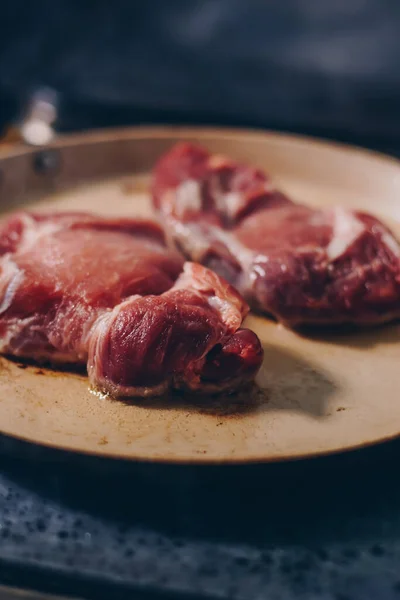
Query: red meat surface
[
  {"x": 76, "y": 289},
  {"x": 303, "y": 266}
]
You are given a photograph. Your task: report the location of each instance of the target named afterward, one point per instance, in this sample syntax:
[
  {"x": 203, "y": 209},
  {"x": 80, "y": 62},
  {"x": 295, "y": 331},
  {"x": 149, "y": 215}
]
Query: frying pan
[{"x": 315, "y": 394}]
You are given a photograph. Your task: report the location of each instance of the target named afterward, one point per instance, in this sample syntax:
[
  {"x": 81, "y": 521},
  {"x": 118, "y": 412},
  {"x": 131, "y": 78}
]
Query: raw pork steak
[
  {"x": 81, "y": 289},
  {"x": 301, "y": 265}
]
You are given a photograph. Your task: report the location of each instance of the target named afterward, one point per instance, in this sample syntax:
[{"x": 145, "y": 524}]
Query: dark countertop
[{"x": 326, "y": 529}]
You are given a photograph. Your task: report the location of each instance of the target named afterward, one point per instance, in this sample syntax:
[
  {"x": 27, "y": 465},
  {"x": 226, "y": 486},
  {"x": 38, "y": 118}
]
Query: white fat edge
[
  {"x": 89, "y": 326},
  {"x": 99, "y": 328},
  {"x": 188, "y": 197},
  {"x": 390, "y": 241},
  {"x": 186, "y": 279},
  {"x": 107, "y": 315},
  {"x": 13, "y": 329},
  {"x": 247, "y": 259},
  {"x": 228, "y": 203},
  {"x": 250, "y": 262},
  {"x": 230, "y": 314},
  {"x": 105, "y": 389},
  {"x": 218, "y": 303},
  {"x": 217, "y": 160},
  {"x": 244, "y": 255},
  {"x": 11, "y": 273},
  {"x": 257, "y": 269},
  {"x": 192, "y": 239},
  {"x": 319, "y": 218},
  {"x": 225, "y": 202},
  {"x": 224, "y": 308},
  {"x": 346, "y": 229},
  {"x": 58, "y": 324},
  {"x": 33, "y": 231},
  {"x": 196, "y": 240}
]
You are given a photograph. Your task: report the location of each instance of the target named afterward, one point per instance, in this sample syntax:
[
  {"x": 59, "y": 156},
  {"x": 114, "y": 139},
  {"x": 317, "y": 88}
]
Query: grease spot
[{"x": 98, "y": 394}]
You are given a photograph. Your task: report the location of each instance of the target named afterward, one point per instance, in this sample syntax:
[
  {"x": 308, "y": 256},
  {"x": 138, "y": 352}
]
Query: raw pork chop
[
  {"x": 80, "y": 289},
  {"x": 301, "y": 265}
]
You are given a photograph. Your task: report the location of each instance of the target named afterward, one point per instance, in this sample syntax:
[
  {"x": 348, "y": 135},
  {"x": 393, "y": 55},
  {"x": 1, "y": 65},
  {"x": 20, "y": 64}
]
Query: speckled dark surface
[{"x": 326, "y": 529}]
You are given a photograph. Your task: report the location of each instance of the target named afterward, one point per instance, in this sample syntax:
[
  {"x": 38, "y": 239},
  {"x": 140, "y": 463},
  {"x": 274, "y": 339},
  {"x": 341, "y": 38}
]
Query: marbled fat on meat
[
  {"x": 303, "y": 266},
  {"x": 80, "y": 289}
]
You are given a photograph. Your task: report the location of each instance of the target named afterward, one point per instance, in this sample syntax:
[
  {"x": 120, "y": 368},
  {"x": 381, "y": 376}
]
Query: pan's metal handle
[{"x": 35, "y": 127}]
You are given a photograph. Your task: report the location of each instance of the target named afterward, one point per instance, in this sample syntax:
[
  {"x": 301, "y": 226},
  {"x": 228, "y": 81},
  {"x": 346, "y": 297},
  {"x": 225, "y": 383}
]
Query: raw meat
[
  {"x": 80, "y": 289},
  {"x": 301, "y": 265}
]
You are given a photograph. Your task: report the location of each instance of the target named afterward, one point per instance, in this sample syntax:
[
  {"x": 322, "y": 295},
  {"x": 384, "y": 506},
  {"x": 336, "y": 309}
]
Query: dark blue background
[{"x": 329, "y": 68}]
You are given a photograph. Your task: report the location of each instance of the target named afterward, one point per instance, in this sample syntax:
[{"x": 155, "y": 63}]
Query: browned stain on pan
[{"x": 316, "y": 393}]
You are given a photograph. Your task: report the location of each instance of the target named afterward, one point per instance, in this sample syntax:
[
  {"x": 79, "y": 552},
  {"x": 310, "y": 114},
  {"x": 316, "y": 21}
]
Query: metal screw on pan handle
[{"x": 36, "y": 127}]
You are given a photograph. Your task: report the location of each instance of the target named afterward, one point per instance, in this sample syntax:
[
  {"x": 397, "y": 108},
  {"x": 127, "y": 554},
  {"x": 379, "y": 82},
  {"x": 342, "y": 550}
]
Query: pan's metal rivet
[{"x": 46, "y": 161}]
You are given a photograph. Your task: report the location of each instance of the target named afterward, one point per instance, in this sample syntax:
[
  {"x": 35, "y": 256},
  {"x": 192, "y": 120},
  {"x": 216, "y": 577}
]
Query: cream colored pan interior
[{"x": 315, "y": 395}]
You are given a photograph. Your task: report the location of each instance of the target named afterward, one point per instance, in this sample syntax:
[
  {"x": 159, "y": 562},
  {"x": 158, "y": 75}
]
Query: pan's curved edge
[
  {"x": 27, "y": 449},
  {"x": 181, "y": 131},
  {"x": 202, "y": 133}
]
